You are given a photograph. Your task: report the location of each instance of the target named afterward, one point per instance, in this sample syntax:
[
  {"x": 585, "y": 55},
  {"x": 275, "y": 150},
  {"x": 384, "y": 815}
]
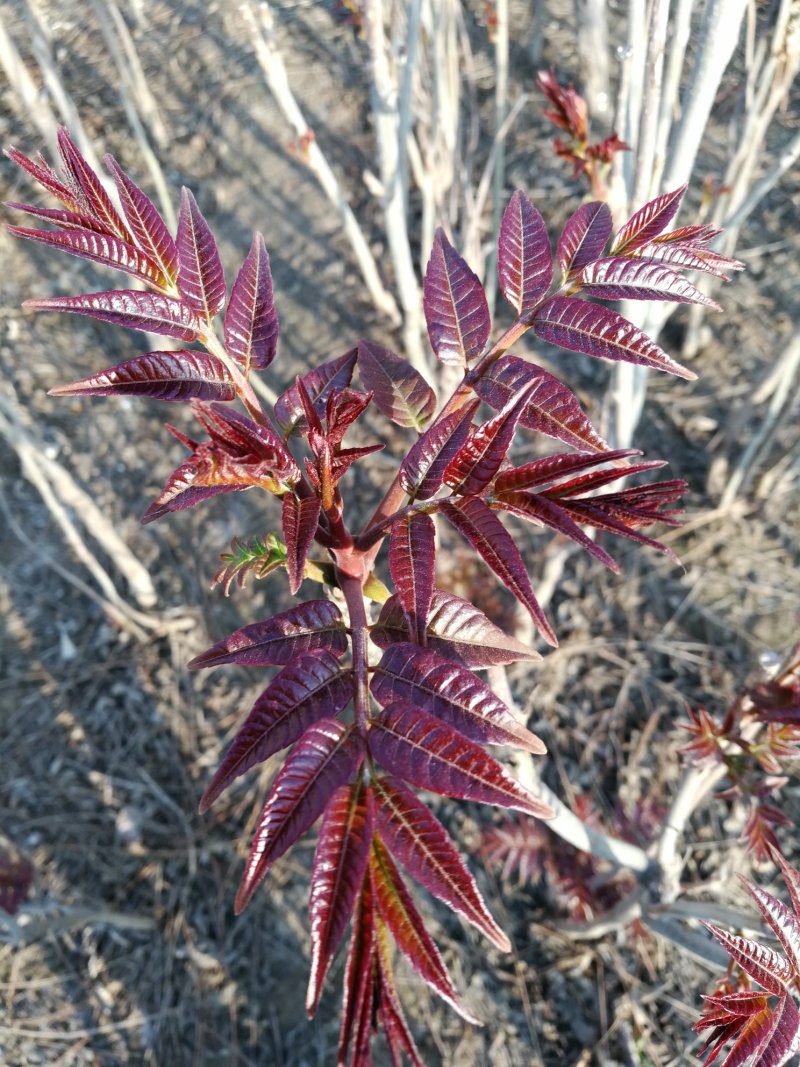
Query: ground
[{"x": 108, "y": 742}]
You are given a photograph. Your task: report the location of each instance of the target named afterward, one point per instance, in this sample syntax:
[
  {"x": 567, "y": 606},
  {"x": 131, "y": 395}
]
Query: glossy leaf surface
[
  {"x": 584, "y": 237},
  {"x": 177, "y": 376},
  {"x": 617, "y": 278},
  {"x": 412, "y": 554},
  {"x": 96, "y": 247},
  {"x": 251, "y": 322},
  {"x": 422, "y": 470},
  {"x": 481, "y": 455},
  {"x": 311, "y": 687},
  {"x": 91, "y": 191},
  {"x": 455, "y": 305},
  {"x": 544, "y": 512},
  {"x": 146, "y": 224},
  {"x": 421, "y": 678},
  {"x": 340, "y": 862},
  {"x": 407, "y": 927},
  {"x": 276, "y": 641},
  {"x": 299, "y": 518},
  {"x": 319, "y": 384},
  {"x": 456, "y": 630},
  {"x": 648, "y": 222},
  {"x": 150, "y": 312},
  {"x": 326, "y": 757},
  {"x": 483, "y": 530},
  {"x": 400, "y": 391},
  {"x": 551, "y": 409},
  {"x": 415, "y": 836},
  {"x": 421, "y": 749},
  {"x": 597, "y": 331},
  {"x": 524, "y": 259},
  {"x": 548, "y": 469},
  {"x": 200, "y": 279},
  {"x": 359, "y": 985}
]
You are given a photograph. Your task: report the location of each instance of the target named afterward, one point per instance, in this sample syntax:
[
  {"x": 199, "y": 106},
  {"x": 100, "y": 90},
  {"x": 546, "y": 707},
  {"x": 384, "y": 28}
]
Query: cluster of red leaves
[
  {"x": 754, "y": 761},
  {"x": 570, "y": 113},
  {"x": 764, "y": 1024},
  {"x": 372, "y": 708}
]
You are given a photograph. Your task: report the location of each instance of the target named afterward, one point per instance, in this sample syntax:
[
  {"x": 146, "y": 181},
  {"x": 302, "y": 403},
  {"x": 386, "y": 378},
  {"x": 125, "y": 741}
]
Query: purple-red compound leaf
[
  {"x": 407, "y": 927},
  {"x": 313, "y": 686},
  {"x": 325, "y": 758},
  {"x": 648, "y": 222},
  {"x": 481, "y": 455},
  {"x": 584, "y": 237},
  {"x": 764, "y": 965},
  {"x": 390, "y": 1010},
  {"x": 618, "y": 278},
  {"x": 319, "y": 383},
  {"x": 251, "y": 322},
  {"x": 524, "y": 259},
  {"x": 92, "y": 192},
  {"x": 176, "y": 376},
  {"x": 61, "y": 217},
  {"x": 400, "y": 391},
  {"x": 100, "y": 248},
  {"x": 784, "y": 923},
  {"x": 422, "y": 678},
  {"x": 359, "y": 984},
  {"x": 543, "y": 512},
  {"x": 181, "y": 492},
  {"x": 478, "y": 524},
  {"x": 421, "y": 749},
  {"x": 543, "y": 471},
  {"x": 422, "y": 470},
  {"x": 783, "y": 1040},
  {"x": 299, "y": 518},
  {"x": 597, "y": 331},
  {"x": 340, "y": 862},
  {"x": 150, "y": 312},
  {"x": 456, "y": 309},
  {"x": 276, "y": 641},
  {"x": 689, "y": 257},
  {"x": 146, "y": 224},
  {"x": 41, "y": 172},
  {"x": 200, "y": 279},
  {"x": 456, "y": 630},
  {"x": 412, "y": 554},
  {"x": 416, "y": 837},
  {"x": 552, "y": 408}
]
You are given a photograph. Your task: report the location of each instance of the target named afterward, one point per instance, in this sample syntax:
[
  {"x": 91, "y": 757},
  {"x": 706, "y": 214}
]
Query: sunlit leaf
[
  {"x": 618, "y": 278},
  {"x": 598, "y": 331},
  {"x": 420, "y": 677},
  {"x": 421, "y": 749},
  {"x": 312, "y": 686},
  {"x": 299, "y": 519},
  {"x": 584, "y": 237},
  {"x": 457, "y": 630},
  {"x": 146, "y": 224},
  {"x": 422, "y": 470},
  {"x": 412, "y": 548},
  {"x": 100, "y": 248},
  {"x": 551, "y": 408},
  {"x": 493, "y": 543},
  {"x": 415, "y": 837},
  {"x": 277, "y": 640},
  {"x": 406, "y": 926},
  {"x": 648, "y": 222},
  {"x": 177, "y": 376},
  {"x": 200, "y": 279},
  {"x": 400, "y": 391},
  {"x": 319, "y": 384},
  {"x": 456, "y": 309},
  {"x": 340, "y": 862},
  {"x": 150, "y": 312},
  {"x": 325, "y": 758},
  {"x": 251, "y": 322},
  {"x": 524, "y": 259}
]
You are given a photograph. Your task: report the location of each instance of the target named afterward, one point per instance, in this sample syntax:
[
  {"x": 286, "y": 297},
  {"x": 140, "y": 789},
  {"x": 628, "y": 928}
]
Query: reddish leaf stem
[{"x": 352, "y": 590}]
